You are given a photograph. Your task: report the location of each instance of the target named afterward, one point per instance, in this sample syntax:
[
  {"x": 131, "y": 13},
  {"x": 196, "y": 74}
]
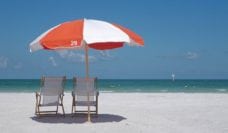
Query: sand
[{"x": 122, "y": 113}]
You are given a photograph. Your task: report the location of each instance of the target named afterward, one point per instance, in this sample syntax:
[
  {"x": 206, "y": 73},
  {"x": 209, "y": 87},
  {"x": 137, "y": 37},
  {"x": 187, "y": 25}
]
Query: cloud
[
  {"x": 52, "y": 60},
  {"x": 74, "y": 56},
  {"x": 189, "y": 56},
  {"x": 78, "y": 56},
  {"x": 3, "y": 62},
  {"x": 6, "y": 63},
  {"x": 18, "y": 65},
  {"x": 105, "y": 55}
]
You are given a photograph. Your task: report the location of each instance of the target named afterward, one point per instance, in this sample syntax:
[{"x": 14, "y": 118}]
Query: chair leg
[
  {"x": 72, "y": 109},
  {"x": 63, "y": 110},
  {"x": 72, "y": 114},
  {"x": 73, "y": 105},
  {"x": 38, "y": 109},
  {"x": 57, "y": 109},
  {"x": 61, "y": 104},
  {"x": 96, "y": 110},
  {"x": 75, "y": 109},
  {"x": 97, "y": 104}
]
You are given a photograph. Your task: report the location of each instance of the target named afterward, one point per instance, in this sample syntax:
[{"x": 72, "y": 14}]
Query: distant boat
[{"x": 173, "y": 76}]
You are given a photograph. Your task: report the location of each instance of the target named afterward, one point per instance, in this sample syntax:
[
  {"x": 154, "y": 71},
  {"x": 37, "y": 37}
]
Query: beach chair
[
  {"x": 51, "y": 94},
  {"x": 85, "y": 94}
]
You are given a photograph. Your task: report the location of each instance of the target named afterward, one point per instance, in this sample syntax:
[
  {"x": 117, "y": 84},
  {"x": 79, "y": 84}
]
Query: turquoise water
[{"x": 111, "y": 85}]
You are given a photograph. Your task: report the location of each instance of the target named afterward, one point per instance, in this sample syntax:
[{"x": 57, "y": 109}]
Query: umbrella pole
[
  {"x": 87, "y": 61},
  {"x": 87, "y": 76}
]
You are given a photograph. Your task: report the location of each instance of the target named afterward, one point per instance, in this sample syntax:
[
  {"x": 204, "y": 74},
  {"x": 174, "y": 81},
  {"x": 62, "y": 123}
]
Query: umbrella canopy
[
  {"x": 95, "y": 34},
  {"x": 84, "y": 34}
]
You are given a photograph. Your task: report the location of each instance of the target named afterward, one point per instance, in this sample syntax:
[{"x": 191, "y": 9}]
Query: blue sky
[{"x": 187, "y": 38}]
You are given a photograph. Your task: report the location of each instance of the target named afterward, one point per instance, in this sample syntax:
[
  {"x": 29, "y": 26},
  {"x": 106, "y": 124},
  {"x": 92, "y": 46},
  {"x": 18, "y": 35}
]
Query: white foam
[{"x": 221, "y": 90}]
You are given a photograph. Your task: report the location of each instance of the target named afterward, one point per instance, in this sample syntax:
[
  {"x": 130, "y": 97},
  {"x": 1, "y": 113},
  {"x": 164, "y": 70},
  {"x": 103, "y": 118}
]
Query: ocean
[{"x": 127, "y": 85}]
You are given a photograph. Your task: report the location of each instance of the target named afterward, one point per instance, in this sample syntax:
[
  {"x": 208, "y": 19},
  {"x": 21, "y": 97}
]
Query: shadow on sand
[{"x": 101, "y": 118}]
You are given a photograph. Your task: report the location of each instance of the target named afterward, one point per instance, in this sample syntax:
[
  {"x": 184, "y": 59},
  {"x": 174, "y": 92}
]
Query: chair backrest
[
  {"x": 51, "y": 89},
  {"x": 84, "y": 87}
]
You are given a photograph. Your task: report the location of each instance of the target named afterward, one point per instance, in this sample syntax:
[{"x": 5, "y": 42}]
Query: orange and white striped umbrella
[
  {"x": 95, "y": 34},
  {"x": 85, "y": 34}
]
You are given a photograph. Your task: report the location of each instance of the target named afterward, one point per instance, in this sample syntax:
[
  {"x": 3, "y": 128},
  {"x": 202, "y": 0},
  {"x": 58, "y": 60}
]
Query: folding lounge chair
[
  {"x": 51, "y": 94},
  {"x": 85, "y": 93}
]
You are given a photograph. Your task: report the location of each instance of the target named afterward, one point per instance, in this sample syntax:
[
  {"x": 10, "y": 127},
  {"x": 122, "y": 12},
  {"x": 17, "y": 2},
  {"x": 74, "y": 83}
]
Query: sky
[{"x": 185, "y": 37}]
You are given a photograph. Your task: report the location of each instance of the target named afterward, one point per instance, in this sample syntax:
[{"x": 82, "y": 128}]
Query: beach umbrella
[{"x": 85, "y": 34}]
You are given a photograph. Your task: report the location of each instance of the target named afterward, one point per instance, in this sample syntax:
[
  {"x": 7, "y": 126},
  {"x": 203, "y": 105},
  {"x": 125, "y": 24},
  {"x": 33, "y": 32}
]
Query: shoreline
[{"x": 129, "y": 86}]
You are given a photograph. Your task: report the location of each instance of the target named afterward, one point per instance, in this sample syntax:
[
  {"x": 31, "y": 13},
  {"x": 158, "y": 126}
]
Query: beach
[{"x": 123, "y": 113}]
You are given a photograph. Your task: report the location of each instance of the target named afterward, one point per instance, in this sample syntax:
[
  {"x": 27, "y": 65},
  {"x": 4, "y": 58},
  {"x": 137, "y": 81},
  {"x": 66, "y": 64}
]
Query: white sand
[{"x": 122, "y": 113}]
